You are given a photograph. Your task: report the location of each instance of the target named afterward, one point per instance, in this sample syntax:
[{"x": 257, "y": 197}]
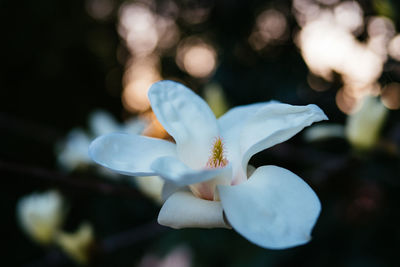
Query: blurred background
[{"x": 73, "y": 70}]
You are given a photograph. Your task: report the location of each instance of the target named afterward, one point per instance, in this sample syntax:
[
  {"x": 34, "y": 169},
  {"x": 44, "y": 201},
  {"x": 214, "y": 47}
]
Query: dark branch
[{"x": 55, "y": 178}]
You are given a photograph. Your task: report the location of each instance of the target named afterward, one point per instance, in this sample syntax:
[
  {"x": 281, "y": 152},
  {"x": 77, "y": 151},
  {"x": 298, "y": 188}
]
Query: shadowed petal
[
  {"x": 129, "y": 154},
  {"x": 231, "y": 125},
  {"x": 175, "y": 171},
  {"x": 274, "y": 209},
  {"x": 169, "y": 188},
  {"x": 183, "y": 209},
  {"x": 273, "y": 124},
  {"x": 187, "y": 118}
]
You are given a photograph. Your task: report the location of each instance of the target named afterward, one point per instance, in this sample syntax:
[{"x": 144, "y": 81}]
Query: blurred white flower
[
  {"x": 324, "y": 131},
  {"x": 206, "y": 169},
  {"x": 77, "y": 244},
  {"x": 102, "y": 122},
  {"x": 40, "y": 215},
  {"x": 73, "y": 151},
  {"x": 363, "y": 127}
]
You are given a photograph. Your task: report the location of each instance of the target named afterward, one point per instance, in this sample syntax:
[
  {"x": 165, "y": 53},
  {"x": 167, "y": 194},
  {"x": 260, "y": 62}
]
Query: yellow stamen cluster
[{"x": 217, "y": 158}]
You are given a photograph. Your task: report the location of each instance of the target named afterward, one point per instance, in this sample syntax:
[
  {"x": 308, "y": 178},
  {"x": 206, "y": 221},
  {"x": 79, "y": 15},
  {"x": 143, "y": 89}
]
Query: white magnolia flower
[
  {"x": 40, "y": 215},
  {"x": 206, "y": 169}
]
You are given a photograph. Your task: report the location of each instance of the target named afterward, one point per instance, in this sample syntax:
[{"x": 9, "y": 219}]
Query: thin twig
[{"x": 63, "y": 180}]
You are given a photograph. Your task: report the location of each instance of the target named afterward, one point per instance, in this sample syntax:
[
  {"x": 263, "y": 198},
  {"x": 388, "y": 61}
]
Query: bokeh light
[
  {"x": 329, "y": 46},
  {"x": 380, "y": 31},
  {"x": 391, "y": 95},
  {"x": 137, "y": 25},
  {"x": 328, "y": 2},
  {"x": 394, "y": 47},
  {"x": 168, "y": 33},
  {"x": 140, "y": 74},
  {"x": 99, "y": 9},
  {"x": 197, "y": 13},
  {"x": 349, "y": 15},
  {"x": 196, "y": 57},
  {"x": 271, "y": 26},
  {"x": 305, "y": 11},
  {"x": 148, "y": 32}
]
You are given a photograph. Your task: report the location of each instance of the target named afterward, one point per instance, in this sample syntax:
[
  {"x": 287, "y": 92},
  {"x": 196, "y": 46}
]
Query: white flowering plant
[{"x": 205, "y": 169}]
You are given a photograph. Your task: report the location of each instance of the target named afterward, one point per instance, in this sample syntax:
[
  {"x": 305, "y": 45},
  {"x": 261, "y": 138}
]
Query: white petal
[
  {"x": 175, "y": 171},
  {"x": 274, "y": 124},
  {"x": 169, "y": 189},
  {"x": 183, "y": 209},
  {"x": 235, "y": 117},
  {"x": 187, "y": 118},
  {"x": 274, "y": 209},
  {"x": 129, "y": 154},
  {"x": 231, "y": 125}
]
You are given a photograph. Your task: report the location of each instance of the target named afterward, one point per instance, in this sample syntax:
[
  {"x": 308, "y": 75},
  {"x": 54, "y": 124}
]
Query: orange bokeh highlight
[
  {"x": 271, "y": 26},
  {"x": 391, "y": 96},
  {"x": 196, "y": 57},
  {"x": 140, "y": 74}
]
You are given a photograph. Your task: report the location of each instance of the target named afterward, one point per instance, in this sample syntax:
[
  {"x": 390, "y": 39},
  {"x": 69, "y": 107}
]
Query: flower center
[
  {"x": 217, "y": 158},
  {"x": 206, "y": 190}
]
